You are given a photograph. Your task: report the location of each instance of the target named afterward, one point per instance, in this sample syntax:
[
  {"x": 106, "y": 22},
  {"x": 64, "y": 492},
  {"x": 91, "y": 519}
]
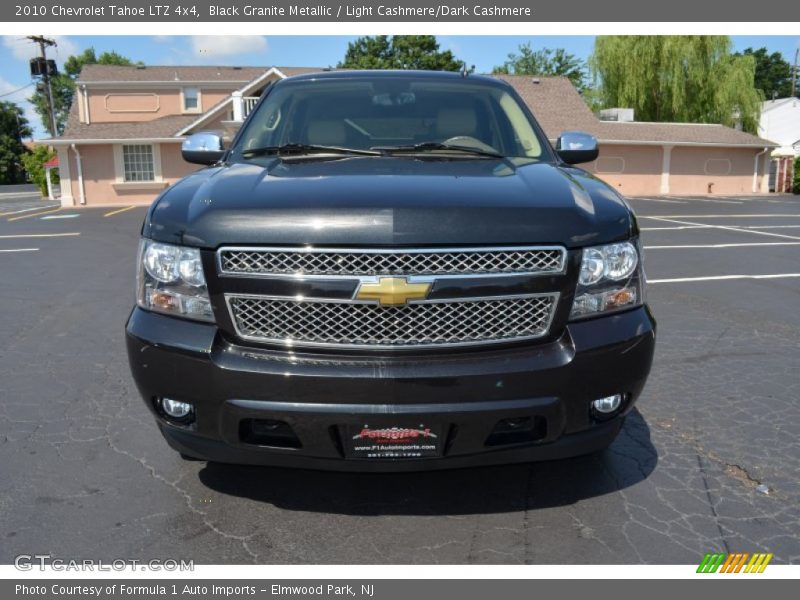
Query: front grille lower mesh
[
  {"x": 365, "y": 262},
  {"x": 371, "y": 325}
]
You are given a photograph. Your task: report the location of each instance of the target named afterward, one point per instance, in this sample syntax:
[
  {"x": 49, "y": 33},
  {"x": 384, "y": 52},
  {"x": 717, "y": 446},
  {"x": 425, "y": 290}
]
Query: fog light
[
  {"x": 176, "y": 409},
  {"x": 607, "y": 405}
]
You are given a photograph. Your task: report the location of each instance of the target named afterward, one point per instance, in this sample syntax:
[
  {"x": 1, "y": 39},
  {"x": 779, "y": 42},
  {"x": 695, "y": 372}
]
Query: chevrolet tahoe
[{"x": 389, "y": 271}]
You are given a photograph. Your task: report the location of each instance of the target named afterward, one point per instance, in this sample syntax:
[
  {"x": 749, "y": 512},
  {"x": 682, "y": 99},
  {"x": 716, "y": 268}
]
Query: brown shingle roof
[
  {"x": 161, "y": 73},
  {"x": 163, "y": 127},
  {"x": 680, "y": 133},
  {"x": 558, "y": 107},
  {"x": 554, "y": 101}
]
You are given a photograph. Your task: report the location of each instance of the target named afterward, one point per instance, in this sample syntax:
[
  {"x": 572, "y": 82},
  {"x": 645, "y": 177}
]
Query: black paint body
[{"x": 391, "y": 201}]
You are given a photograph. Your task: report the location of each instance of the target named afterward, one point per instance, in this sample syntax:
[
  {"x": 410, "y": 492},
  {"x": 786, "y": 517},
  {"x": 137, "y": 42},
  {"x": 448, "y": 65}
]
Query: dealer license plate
[{"x": 393, "y": 442}]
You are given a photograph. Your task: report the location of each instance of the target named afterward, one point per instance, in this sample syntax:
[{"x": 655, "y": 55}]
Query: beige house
[
  {"x": 123, "y": 136},
  {"x": 642, "y": 159},
  {"x": 122, "y": 141}
]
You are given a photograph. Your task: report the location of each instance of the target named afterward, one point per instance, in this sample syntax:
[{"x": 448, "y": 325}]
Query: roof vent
[{"x": 536, "y": 80}]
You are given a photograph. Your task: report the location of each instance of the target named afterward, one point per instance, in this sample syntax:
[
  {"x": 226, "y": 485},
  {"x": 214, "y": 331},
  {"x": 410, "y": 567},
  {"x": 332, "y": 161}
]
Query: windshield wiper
[
  {"x": 432, "y": 146},
  {"x": 295, "y": 149}
]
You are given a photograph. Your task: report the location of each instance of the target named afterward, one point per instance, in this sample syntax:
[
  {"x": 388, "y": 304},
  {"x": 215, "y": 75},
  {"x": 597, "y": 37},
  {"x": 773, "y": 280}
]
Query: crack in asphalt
[{"x": 711, "y": 504}]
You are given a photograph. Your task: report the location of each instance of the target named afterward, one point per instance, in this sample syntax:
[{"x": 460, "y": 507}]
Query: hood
[{"x": 389, "y": 201}]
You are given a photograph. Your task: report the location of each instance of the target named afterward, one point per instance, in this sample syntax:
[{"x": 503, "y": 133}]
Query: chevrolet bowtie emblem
[{"x": 392, "y": 291}]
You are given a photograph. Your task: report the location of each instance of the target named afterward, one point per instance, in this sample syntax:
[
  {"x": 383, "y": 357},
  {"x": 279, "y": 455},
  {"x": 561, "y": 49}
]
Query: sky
[{"x": 484, "y": 52}]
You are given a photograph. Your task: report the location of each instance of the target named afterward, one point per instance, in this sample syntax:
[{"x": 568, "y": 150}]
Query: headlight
[
  {"x": 621, "y": 260},
  {"x": 610, "y": 279},
  {"x": 170, "y": 280}
]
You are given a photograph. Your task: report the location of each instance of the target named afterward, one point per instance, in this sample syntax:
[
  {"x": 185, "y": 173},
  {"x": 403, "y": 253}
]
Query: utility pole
[
  {"x": 794, "y": 74},
  {"x": 43, "y": 44}
]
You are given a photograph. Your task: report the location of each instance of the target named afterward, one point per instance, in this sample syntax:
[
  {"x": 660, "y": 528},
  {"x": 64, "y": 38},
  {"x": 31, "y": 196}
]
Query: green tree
[
  {"x": 677, "y": 78},
  {"x": 796, "y": 182},
  {"x": 63, "y": 85},
  {"x": 399, "y": 52},
  {"x": 773, "y": 74},
  {"x": 13, "y": 127},
  {"x": 34, "y": 165},
  {"x": 545, "y": 62}
]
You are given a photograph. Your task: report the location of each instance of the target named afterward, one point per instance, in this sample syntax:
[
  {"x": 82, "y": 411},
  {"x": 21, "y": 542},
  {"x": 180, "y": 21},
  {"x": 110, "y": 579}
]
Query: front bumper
[{"x": 319, "y": 395}]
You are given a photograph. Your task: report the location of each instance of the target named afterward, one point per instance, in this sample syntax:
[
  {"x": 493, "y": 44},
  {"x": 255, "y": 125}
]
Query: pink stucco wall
[
  {"x": 636, "y": 170},
  {"x": 141, "y": 104},
  {"x": 99, "y": 176},
  {"x": 631, "y": 170},
  {"x": 725, "y": 170},
  {"x": 172, "y": 164}
]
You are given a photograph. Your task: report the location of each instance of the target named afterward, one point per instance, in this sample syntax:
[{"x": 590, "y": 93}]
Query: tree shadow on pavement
[{"x": 630, "y": 459}]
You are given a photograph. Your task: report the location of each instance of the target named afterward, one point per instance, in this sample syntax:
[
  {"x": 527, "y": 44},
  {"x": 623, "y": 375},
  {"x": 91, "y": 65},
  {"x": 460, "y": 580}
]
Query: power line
[{"x": 17, "y": 90}]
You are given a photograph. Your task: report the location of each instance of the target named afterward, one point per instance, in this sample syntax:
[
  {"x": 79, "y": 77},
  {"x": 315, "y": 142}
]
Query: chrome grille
[
  {"x": 371, "y": 262},
  {"x": 426, "y": 323}
]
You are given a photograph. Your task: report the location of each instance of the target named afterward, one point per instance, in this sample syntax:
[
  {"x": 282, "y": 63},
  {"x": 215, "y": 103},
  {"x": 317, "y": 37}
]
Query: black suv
[{"x": 390, "y": 270}]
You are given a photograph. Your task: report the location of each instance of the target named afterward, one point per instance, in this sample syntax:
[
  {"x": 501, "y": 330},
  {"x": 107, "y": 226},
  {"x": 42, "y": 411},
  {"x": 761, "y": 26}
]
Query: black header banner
[{"x": 199, "y": 11}]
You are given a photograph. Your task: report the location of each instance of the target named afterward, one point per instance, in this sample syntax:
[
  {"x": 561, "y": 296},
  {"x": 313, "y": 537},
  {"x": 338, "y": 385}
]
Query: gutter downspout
[
  {"x": 80, "y": 173},
  {"x": 755, "y": 169}
]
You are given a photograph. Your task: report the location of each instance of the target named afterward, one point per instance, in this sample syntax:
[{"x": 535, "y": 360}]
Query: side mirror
[
  {"x": 576, "y": 147},
  {"x": 204, "y": 148}
]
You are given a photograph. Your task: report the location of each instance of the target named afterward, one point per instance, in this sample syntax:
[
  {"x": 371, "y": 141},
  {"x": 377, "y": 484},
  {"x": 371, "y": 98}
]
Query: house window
[
  {"x": 138, "y": 162},
  {"x": 191, "y": 99}
]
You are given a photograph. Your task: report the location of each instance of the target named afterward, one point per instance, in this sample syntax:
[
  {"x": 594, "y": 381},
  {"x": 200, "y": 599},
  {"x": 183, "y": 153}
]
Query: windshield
[{"x": 403, "y": 114}]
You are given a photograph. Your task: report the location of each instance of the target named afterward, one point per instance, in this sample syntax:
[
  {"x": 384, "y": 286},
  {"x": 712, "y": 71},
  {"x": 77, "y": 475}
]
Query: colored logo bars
[{"x": 735, "y": 563}]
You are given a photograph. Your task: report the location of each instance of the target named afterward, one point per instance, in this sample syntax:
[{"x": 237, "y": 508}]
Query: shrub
[
  {"x": 34, "y": 165},
  {"x": 796, "y": 182}
]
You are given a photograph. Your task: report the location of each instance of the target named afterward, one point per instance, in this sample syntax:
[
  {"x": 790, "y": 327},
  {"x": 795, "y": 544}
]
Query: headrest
[
  {"x": 452, "y": 122},
  {"x": 330, "y": 132}
]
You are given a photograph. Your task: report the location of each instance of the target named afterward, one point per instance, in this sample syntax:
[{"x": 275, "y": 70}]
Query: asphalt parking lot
[{"x": 710, "y": 461}]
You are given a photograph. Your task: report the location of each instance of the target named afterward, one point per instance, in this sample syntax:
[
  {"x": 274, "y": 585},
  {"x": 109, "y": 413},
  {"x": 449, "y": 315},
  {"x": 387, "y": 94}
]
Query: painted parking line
[
  {"x": 20, "y": 250},
  {"x": 745, "y": 245},
  {"x": 730, "y": 228},
  {"x": 718, "y": 216},
  {"x": 711, "y": 200},
  {"x": 38, "y": 235},
  {"x": 21, "y": 195},
  {"x": 35, "y": 214},
  {"x": 119, "y": 210},
  {"x": 724, "y": 278},
  {"x": 676, "y": 228},
  {"x": 760, "y": 199},
  {"x": 716, "y": 201},
  {"x": 24, "y": 210},
  {"x": 72, "y": 216},
  {"x": 769, "y": 226},
  {"x": 660, "y": 200}
]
